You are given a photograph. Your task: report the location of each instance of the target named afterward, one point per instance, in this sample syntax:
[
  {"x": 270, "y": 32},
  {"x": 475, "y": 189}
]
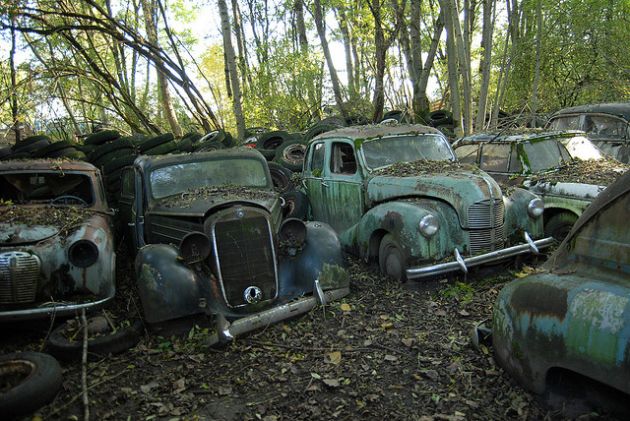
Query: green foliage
[{"x": 460, "y": 291}]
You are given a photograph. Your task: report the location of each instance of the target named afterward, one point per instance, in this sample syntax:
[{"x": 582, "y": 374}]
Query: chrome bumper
[
  {"x": 56, "y": 309},
  {"x": 226, "y": 331},
  {"x": 463, "y": 264}
]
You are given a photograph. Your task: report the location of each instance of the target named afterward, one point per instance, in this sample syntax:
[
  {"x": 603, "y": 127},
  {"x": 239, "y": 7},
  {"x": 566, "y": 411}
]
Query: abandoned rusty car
[
  {"x": 211, "y": 239},
  {"x": 56, "y": 240},
  {"x": 539, "y": 162},
  {"x": 397, "y": 195},
  {"x": 573, "y": 315}
]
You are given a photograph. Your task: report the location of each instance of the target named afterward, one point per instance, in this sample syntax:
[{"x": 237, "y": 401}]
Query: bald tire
[{"x": 391, "y": 259}]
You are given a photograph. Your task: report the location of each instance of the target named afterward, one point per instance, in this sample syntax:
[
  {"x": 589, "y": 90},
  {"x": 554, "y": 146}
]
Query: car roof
[
  {"x": 375, "y": 130},
  {"x": 516, "y": 136},
  {"x": 153, "y": 161},
  {"x": 621, "y": 109},
  {"x": 46, "y": 164}
]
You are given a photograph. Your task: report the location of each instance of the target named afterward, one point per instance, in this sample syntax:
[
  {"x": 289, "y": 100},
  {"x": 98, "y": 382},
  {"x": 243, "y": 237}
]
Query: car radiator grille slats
[
  {"x": 485, "y": 222},
  {"x": 19, "y": 272},
  {"x": 246, "y": 257}
]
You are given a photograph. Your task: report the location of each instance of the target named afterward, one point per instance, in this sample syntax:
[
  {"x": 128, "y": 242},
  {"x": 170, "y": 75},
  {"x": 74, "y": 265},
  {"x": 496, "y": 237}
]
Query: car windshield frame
[
  {"x": 198, "y": 180},
  {"x": 535, "y": 168},
  {"x": 87, "y": 180},
  {"x": 399, "y": 138}
]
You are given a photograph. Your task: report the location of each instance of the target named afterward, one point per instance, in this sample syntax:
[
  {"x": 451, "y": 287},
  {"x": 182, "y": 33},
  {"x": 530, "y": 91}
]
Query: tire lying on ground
[
  {"x": 291, "y": 154},
  {"x": 296, "y": 204},
  {"x": 64, "y": 345},
  {"x": 101, "y": 137},
  {"x": 281, "y": 177},
  {"x": 29, "y": 381},
  {"x": 155, "y": 141}
]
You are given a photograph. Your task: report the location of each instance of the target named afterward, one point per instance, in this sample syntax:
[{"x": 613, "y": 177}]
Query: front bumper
[
  {"x": 227, "y": 331},
  {"x": 59, "y": 309},
  {"x": 461, "y": 264}
]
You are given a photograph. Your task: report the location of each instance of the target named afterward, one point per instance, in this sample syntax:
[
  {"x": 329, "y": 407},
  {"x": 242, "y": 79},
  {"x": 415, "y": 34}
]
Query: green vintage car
[
  {"x": 573, "y": 317},
  {"x": 539, "y": 162},
  {"x": 397, "y": 195}
]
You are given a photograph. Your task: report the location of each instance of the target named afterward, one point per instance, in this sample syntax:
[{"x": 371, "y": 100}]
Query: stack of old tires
[
  {"x": 41, "y": 146},
  {"x": 110, "y": 152},
  {"x": 215, "y": 140}
]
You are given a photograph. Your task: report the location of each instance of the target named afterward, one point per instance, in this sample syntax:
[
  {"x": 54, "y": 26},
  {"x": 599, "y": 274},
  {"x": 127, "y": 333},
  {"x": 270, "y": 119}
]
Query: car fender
[
  {"x": 168, "y": 288},
  {"x": 401, "y": 218},
  {"x": 319, "y": 258},
  {"x": 517, "y": 218}
]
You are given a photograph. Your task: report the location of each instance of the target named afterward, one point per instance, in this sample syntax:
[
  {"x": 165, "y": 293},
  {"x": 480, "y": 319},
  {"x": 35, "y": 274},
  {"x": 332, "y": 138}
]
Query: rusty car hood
[
  {"x": 460, "y": 190},
  {"x": 21, "y": 234}
]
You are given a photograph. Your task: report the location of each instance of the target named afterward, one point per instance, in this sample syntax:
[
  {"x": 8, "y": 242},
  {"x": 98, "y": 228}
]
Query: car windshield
[
  {"x": 544, "y": 155},
  {"x": 582, "y": 148},
  {"x": 390, "y": 150},
  {"x": 58, "y": 188},
  {"x": 178, "y": 178}
]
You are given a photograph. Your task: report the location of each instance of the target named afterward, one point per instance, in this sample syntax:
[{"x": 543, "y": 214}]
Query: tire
[
  {"x": 209, "y": 146},
  {"x": 122, "y": 143},
  {"x": 155, "y": 141},
  {"x": 391, "y": 259},
  {"x": 559, "y": 225},
  {"x": 117, "y": 163},
  {"x": 269, "y": 154},
  {"x": 101, "y": 137},
  {"x": 108, "y": 157},
  {"x": 5, "y": 151},
  {"x": 281, "y": 177},
  {"x": 272, "y": 140},
  {"x": 77, "y": 155},
  {"x": 51, "y": 148},
  {"x": 291, "y": 155},
  {"x": 30, "y": 146},
  {"x": 67, "y": 350},
  {"x": 320, "y": 128},
  {"x": 185, "y": 145},
  {"x": 42, "y": 382},
  {"x": 162, "y": 149},
  {"x": 213, "y": 137},
  {"x": 297, "y": 204},
  {"x": 17, "y": 155},
  {"x": 440, "y": 118},
  {"x": 62, "y": 153},
  {"x": 229, "y": 141}
]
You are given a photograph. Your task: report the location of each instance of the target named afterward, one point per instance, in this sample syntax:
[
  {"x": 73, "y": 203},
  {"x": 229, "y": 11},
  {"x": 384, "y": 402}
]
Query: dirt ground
[{"x": 386, "y": 350}]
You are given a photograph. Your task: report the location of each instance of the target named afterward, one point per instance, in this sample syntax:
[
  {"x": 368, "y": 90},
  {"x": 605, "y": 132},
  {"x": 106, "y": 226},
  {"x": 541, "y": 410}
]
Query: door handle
[{"x": 324, "y": 184}]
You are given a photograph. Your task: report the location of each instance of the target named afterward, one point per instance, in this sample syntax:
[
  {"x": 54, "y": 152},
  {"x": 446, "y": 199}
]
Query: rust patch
[
  {"x": 393, "y": 221},
  {"x": 540, "y": 299}
]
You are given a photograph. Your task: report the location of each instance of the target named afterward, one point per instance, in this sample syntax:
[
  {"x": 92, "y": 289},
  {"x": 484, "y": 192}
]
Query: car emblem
[
  {"x": 252, "y": 294},
  {"x": 240, "y": 213}
]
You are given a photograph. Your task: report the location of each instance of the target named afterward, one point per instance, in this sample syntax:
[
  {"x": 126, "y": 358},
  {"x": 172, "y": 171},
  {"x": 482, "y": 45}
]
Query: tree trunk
[
  {"x": 485, "y": 63},
  {"x": 14, "y": 97},
  {"x": 464, "y": 67},
  {"x": 345, "y": 35},
  {"x": 298, "y": 9},
  {"x": 240, "y": 42},
  {"x": 321, "y": 31},
  {"x": 428, "y": 63},
  {"x": 164, "y": 95},
  {"x": 452, "y": 63},
  {"x": 539, "y": 34},
  {"x": 231, "y": 67}
]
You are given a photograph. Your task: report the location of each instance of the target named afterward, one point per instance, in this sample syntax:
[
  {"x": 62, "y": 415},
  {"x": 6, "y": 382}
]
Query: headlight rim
[
  {"x": 429, "y": 225},
  {"x": 83, "y": 262},
  {"x": 535, "y": 207}
]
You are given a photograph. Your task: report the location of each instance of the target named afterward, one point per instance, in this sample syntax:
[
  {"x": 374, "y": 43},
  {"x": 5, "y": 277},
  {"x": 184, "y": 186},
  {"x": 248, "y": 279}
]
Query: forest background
[{"x": 153, "y": 66}]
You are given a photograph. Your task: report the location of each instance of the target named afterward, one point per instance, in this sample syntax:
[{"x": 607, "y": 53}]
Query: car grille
[
  {"x": 485, "y": 221},
  {"x": 245, "y": 255},
  {"x": 486, "y": 240},
  {"x": 19, "y": 272},
  {"x": 482, "y": 215}
]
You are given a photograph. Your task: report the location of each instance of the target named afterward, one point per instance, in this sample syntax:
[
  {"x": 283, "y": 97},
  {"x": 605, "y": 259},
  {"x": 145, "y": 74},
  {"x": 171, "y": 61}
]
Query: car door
[
  {"x": 343, "y": 185},
  {"x": 313, "y": 179},
  {"x": 127, "y": 207}
]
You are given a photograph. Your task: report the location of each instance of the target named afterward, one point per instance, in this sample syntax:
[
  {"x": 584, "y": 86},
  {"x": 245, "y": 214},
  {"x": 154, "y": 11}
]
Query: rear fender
[{"x": 168, "y": 288}]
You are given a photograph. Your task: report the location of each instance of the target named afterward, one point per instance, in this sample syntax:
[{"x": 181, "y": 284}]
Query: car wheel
[
  {"x": 391, "y": 259},
  {"x": 29, "y": 381},
  {"x": 65, "y": 348},
  {"x": 559, "y": 225},
  {"x": 296, "y": 204}
]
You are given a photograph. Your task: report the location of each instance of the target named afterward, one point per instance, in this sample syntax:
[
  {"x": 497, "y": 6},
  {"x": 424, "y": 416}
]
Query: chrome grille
[
  {"x": 245, "y": 255},
  {"x": 485, "y": 215},
  {"x": 19, "y": 272},
  {"x": 485, "y": 240}
]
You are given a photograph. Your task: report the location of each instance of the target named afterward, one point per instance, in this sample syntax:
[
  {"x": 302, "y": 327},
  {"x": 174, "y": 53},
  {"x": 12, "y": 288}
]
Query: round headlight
[
  {"x": 535, "y": 208},
  {"x": 293, "y": 232},
  {"x": 83, "y": 253},
  {"x": 429, "y": 225},
  {"x": 194, "y": 248}
]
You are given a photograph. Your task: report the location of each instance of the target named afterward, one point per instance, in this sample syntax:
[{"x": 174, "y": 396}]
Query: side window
[
  {"x": 495, "y": 157},
  {"x": 604, "y": 126},
  {"x": 317, "y": 160},
  {"x": 571, "y": 122},
  {"x": 343, "y": 160},
  {"x": 127, "y": 183},
  {"x": 467, "y": 154}
]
